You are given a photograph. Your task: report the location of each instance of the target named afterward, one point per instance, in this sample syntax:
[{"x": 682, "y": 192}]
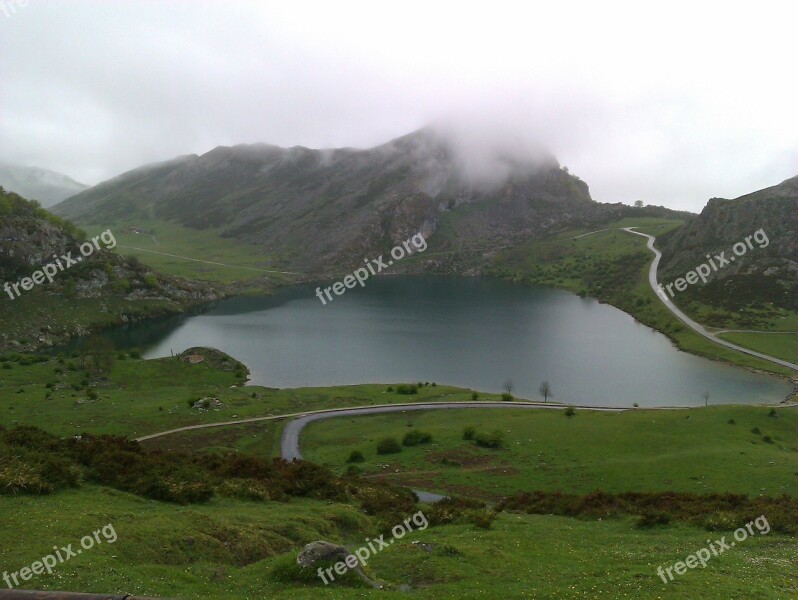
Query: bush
[
  {"x": 406, "y": 389},
  {"x": 773, "y": 413},
  {"x": 570, "y": 412},
  {"x": 490, "y": 440},
  {"x": 507, "y": 397},
  {"x": 356, "y": 456},
  {"x": 469, "y": 432},
  {"x": 135, "y": 354},
  {"x": 415, "y": 437},
  {"x": 388, "y": 445},
  {"x": 756, "y": 431},
  {"x": 475, "y": 396},
  {"x": 767, "y": 439},
  {"x": 651, "y": 519},
  {"x": 732, "y": 422}
]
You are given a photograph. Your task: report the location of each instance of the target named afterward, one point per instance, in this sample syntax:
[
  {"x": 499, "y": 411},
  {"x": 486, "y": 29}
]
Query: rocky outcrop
[{"x": 768, "y": 260}]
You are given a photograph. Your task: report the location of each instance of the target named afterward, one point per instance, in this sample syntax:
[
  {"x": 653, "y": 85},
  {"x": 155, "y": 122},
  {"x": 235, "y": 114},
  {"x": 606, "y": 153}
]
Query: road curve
[
  {"x": 289, "y": 446},
  {"x": 697, "y": 327},
  {"x": 332, "y": 411}
]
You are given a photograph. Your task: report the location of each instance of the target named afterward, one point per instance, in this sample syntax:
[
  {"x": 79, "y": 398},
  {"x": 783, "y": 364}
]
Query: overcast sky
[{"x": 666, "y": 102}]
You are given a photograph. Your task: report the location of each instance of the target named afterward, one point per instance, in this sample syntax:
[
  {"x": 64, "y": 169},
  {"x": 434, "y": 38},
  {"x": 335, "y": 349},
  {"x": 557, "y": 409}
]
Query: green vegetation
[
  {"x": 238, "y": 262},
  {"x": 639, "y": 450},
  {"x": 139, "y": 397},
  {"x": 780, "y": 345},
  {"x": 388, "y": 445},
  {"x": 416, "y": 438}
]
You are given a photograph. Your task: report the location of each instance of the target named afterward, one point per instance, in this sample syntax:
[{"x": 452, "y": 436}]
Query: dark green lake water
[{"x": 468, "y": 332}]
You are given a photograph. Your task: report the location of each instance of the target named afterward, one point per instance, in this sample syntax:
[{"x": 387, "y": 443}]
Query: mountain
[
  {"x": 314, "y": 209},
  {"x": 88, "y": 287},
  {"x": 48, "y": 187},
  {"x": 763, "y": 269}
]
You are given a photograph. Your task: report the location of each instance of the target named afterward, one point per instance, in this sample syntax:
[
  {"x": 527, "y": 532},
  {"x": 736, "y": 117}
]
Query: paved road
[
  {"x": 698, "y": 328},
  {"x": 289, "y": 446}
]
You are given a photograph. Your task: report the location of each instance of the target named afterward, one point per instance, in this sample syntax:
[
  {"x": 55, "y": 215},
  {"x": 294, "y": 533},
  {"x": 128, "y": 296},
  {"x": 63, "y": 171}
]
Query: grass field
[
  {"x": 696, "y": 450},
  {"x": 780, "y": 345},
  {"x": 239, "y": 262},
  {"x": 235, "y": 549},
  {"x": 146, "y": 396}
]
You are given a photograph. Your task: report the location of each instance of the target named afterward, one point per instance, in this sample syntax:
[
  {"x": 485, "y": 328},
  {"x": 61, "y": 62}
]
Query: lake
[{"x": 474, "y": 333}]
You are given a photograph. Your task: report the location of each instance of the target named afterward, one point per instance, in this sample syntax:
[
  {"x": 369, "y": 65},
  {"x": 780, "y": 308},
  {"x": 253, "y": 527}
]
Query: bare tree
[
  {"x": 545, "y": 391},
  {"x": 508, "y": 385},
  {"x": 705, "y": 396}
]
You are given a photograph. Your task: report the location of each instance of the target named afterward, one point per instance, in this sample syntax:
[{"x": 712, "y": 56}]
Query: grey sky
[{"x": 671, "y": 103}]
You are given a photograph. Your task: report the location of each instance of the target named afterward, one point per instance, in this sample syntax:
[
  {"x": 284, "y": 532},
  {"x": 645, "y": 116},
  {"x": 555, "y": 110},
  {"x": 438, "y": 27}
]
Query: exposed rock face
[
  {"x": 124, "y": 288},
  {"x": 769, "y": 261}
]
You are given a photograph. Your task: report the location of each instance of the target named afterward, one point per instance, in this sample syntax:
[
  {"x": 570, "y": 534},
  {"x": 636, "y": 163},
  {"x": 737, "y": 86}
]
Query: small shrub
[
  {"x": 389, "y": 388},
  {"x": 406, "y": 389},
  {"x": 732, "y": 422},
  {"x": 773, "y": 413},
  {"x": 388, "y": 445},
  {"x": 469, "y": 432},
  {"x": 484, "y": 519},
  {"x": 570, "y": 412},
  {"x": 506, "y": 397},
  {"x": 356, "y": 456},
  {"x": 135, "y": 354},
  {"x": 756, "y": 431},
  {"x": 490, "y": 440},
  {"x": 767, "y": 439},
  {"x": 415, "y": 437},
  {"x": 474, "y": 396}
]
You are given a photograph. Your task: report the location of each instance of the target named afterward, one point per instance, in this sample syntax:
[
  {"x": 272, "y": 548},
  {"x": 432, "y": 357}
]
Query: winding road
[{"x": 697, "y": 327}]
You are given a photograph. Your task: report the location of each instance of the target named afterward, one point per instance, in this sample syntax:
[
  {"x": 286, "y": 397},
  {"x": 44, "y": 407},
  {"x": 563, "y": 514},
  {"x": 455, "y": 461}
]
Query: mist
[{"x": 669, "y": 104}]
